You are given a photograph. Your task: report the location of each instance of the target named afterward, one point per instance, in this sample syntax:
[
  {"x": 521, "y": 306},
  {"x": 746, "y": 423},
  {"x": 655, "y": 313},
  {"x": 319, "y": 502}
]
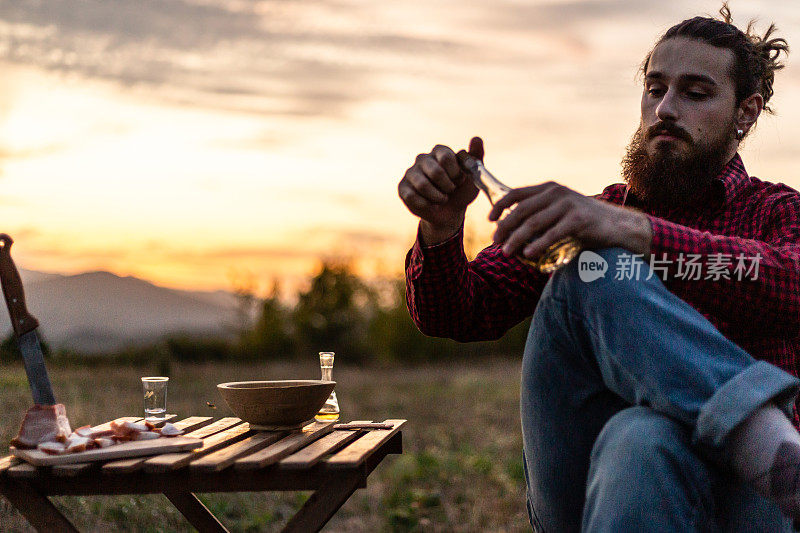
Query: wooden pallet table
[{"x": 332, "y": 462}]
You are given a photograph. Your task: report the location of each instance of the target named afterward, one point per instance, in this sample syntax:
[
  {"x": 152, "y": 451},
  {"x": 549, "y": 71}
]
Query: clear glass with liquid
[
  {"x": 557, "y": 254},
  {"x": 155, "y": 398},
  {"x": 329, "y": 411}
]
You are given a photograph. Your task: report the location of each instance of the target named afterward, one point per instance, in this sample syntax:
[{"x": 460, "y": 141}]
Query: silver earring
[{"x": 739, "y": 134}]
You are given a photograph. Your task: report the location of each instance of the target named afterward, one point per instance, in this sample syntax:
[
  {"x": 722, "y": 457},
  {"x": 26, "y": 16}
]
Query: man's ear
[{"x": 749, "y": 111}]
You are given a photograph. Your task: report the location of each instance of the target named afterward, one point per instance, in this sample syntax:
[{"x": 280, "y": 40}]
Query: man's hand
[
  {"x": 438, "y": 191},
  {"x": 549, "y": 212}
]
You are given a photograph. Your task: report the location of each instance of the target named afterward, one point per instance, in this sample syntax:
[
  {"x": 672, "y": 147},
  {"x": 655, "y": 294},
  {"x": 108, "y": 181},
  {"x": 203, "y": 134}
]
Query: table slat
[
  {"x": 192, "y": 423},
  {"x": 357, "y": 452},
  {"x": 25, "y": 470},
  {"x": 168, "y": 418},
  {"x": 311, "y": 454},
  {"x": 72, "y": 470},
  {"x": 7, "y": 462},
  {"x": 214, "y": 462},
  {"x": 172, "y": 461},
  {"x": 216, "y": 427},
  {"x": 135, "y": 463},
  {"x": 286, "y": 446}
]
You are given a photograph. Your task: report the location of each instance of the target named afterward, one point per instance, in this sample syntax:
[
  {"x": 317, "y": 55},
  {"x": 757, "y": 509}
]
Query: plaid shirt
[{"x": 450, "y": 297}]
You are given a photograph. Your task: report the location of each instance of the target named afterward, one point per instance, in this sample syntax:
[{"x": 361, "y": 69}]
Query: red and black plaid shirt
[{"x": 480, "y": 300}]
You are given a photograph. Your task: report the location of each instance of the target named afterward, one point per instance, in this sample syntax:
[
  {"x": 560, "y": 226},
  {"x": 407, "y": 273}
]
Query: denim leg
[
  {"x": 563, "y": 406},
  {"x": 596, "y": 347},
  {"x": 646, "y": 476},
  {"x": 654, "y": 348}
]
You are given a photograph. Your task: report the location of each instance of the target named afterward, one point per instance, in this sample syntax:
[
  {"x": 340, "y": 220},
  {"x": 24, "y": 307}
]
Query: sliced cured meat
[
  {"x": 52, "y": 448},
  {"x": 83, "y": 431},
  {"x": 136, "y": 426},
  {"x": 77, "y": 444},
  {"x": 121, "y": 430},
  {"x": 169, "y": 430},
  {"x": 104, "y": 442},
  {"x": 43, "y": 423}
]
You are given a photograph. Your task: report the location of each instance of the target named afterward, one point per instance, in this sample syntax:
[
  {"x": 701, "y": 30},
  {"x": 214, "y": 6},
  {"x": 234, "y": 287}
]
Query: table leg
[
  {"x": 325, "y": 501},
  {"x": 36, "y": 508},
  {"x": 195, "y": 512}
]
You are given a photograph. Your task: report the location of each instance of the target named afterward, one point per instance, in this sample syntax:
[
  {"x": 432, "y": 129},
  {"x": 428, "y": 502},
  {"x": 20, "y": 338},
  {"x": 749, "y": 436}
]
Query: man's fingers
[
  {"x": 446, "y": 158},
  {"x": 422, "y": 185},
  {"x": 519, "y": 234},
  {"x": 522, "y": 193},
  {"x": 526, "y": 208},
  {"x": 437, "y": 175},
  {"x": 476, "y": 148},
  {"x": 416, "y": 203},
  {"x": 564, "y": 228},
  {"x": 514, "y": 196},
  {"x": 532, "y": 228},
  {"x": 463, "y": 157}
]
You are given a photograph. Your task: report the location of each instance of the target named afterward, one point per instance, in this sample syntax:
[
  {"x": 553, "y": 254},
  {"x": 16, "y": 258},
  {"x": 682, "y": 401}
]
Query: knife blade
[{"x": 24, "y": 325}]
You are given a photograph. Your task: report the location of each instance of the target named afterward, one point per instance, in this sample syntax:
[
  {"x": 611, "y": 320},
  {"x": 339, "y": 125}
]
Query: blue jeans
[{"x": 628, "y": 395}]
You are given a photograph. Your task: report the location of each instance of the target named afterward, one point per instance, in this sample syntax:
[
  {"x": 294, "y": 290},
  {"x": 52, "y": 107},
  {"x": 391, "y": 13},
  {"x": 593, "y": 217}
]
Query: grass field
[{"x": 461, "y": 469}]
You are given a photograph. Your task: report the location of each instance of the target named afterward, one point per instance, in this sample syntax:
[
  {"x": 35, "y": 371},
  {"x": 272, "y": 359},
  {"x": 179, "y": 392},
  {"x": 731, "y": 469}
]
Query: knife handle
[{"x": 21, "y": 320}]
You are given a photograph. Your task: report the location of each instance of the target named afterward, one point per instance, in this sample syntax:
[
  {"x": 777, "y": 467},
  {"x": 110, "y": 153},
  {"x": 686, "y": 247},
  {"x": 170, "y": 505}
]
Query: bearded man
[{"x": 645, "y": 404}]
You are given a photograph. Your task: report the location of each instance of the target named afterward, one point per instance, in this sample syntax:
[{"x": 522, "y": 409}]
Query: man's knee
[
  {"x": 643, "y": 468},
  {"x": 639, "y": 435}
]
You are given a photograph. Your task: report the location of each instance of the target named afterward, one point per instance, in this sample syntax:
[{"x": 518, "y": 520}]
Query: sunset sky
[{"x": 193, "y": 142}]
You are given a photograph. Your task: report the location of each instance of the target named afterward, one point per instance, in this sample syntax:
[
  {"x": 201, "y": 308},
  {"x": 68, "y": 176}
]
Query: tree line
[
  {"x": 339, "y": 311},
  {"x": 363, "y": 322}
]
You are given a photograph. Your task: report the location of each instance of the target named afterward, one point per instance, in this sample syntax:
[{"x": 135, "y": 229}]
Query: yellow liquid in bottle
[
  {"x": 555, "y": 256},
  {"x": 329, "y": 411}
]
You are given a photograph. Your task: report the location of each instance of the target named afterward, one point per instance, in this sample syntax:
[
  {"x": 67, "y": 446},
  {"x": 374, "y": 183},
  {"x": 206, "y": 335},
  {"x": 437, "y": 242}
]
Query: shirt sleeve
[
  {"x": 449, "y": 296},
  {"x": 752, "y": 285}
]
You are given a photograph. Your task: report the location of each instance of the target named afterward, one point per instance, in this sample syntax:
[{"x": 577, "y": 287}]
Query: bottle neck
[
  {"x": 495, "y": 194},
  {"x": 495, "y": 189},
  {"x": 491, "y": 186}
]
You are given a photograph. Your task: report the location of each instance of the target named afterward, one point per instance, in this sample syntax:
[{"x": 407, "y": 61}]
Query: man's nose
[{"x": 667, "y": 108}]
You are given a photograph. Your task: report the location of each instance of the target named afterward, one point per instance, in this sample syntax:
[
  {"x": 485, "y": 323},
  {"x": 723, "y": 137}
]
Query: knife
[{"x": 24, "y": 325}]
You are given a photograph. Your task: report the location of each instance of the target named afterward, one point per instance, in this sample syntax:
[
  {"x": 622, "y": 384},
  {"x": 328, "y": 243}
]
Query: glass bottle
[
  {"x": 329, "y": 411},
  {"x": 557, "y": 254}
]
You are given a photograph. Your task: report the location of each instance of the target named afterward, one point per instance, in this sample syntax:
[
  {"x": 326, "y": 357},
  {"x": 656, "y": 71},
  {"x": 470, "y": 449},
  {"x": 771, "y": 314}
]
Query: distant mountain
[
  {"x": 32, "y": 276},
  {"x": 100, "y": 311}
]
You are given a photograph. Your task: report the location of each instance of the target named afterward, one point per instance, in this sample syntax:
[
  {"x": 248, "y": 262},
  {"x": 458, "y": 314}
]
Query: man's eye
[
  {"x": 696, "y": 95},
  {"x": 655, "y": 91}
]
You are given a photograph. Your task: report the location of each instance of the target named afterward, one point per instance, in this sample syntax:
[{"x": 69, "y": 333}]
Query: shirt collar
[{"x": 733, "y": 179}]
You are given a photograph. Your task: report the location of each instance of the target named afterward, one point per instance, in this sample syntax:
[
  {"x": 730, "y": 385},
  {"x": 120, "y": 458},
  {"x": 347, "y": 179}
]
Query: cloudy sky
[{"x": 190, "y": 142}]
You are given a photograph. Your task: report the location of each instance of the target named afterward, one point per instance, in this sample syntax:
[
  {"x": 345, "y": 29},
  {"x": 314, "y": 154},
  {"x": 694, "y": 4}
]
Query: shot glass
[{"x": 155, "y": 398}]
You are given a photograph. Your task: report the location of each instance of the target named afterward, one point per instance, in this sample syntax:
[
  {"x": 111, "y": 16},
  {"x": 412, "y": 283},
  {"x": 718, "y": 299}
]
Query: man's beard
[{"x": 668, "y": 179}]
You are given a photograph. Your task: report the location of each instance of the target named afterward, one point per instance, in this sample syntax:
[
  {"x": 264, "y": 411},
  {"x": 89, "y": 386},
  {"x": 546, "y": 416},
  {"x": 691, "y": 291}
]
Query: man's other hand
[
  {"x": 546, "y": 213},
  {"x": 438, "y": 191}
]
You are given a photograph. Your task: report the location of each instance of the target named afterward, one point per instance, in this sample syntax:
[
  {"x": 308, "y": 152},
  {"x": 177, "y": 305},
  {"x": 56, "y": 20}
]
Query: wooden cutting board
[{"x": 117, "y": 451}]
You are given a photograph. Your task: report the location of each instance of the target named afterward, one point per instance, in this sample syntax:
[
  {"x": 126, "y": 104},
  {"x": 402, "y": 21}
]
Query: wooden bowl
[{"x": 288, "y": 404}]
